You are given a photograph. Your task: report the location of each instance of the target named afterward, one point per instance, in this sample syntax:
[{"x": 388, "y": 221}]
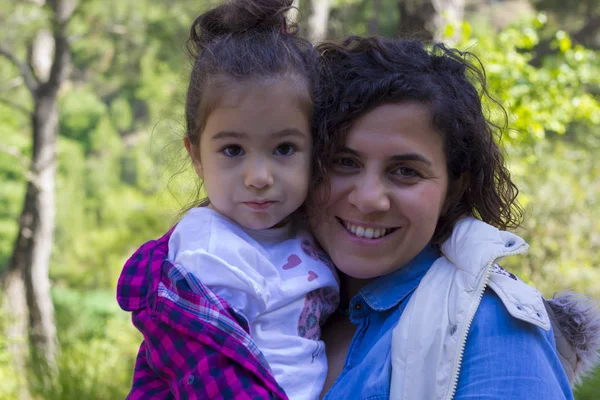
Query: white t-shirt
[{"x": 278, "y": 279}]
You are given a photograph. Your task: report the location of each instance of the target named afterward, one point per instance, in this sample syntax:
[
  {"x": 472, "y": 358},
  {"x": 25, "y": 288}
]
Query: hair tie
[{"x": 283, "y": 30}]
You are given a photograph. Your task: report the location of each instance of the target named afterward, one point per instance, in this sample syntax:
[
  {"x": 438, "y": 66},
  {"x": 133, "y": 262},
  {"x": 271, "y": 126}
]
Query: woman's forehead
[{"x": 394, "y": 131}]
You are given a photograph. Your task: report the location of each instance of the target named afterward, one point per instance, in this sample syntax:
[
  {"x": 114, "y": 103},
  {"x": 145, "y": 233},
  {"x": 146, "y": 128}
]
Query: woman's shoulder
[
  {"x": 506, "y": 357},
  {"x": 493, "y": 316},
  {"x": 522, "y": 301},
  {"x": 572, "y": 337}
]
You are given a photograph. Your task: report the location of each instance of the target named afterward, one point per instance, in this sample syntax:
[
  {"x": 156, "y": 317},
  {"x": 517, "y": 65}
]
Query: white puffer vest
[{"x": 429, "y": 339}]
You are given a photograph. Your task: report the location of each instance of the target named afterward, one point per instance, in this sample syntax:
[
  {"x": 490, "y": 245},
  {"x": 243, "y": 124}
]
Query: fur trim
[{"x": 578, "y": 318}]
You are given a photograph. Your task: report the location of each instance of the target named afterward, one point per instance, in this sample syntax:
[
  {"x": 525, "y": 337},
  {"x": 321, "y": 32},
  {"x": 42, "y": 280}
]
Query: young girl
[{"x": 243, "y": 262}]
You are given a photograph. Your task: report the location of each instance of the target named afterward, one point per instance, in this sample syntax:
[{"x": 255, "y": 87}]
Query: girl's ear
[{"x": 194, "y": 153}]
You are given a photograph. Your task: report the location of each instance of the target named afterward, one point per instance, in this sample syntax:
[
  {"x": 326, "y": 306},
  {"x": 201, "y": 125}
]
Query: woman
[{"x": 411, "y": 190}]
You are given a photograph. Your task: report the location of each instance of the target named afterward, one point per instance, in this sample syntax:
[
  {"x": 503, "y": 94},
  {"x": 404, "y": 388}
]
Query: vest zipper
[{"x": 481, "y": 290}]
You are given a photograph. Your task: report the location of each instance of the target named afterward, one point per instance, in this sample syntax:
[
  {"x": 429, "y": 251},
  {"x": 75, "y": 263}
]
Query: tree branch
[
  {"x": 16, "y": 106},
  {"x": 589, "y": 30},
  {"x": 11, "y": 84},
  {"x": 62, "y": 13},
  {"x": 23, "y": 160},
  {"x": 30, "y": 80}
]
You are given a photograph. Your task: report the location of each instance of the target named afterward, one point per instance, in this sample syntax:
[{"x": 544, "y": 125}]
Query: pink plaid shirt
[{"x": 194, "y": 345}]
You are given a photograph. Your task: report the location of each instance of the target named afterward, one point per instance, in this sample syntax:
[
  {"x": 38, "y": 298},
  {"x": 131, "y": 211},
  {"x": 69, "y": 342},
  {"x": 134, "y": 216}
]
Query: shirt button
[
  {"x": 358, "y": 306},
  {"x": 190, "y": 379}
]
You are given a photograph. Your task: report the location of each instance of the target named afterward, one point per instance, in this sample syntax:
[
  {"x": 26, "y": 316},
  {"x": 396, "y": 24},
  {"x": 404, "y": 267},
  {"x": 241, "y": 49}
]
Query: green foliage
[
  {"x": 590, "y": 388},
  {"x": 357, "y": 17},
  {"x": 10, "y": 380},
  {"x": 121, "y": 114},
  {"x": 98, "y": 344},
  {"x": 553, "y": 132},
  {"x": 120, "y": 145},
  {"x": 539, "y": 100},
  {"x": 559, "y": 226},
  {"x": 569, "y": 10},
  {"x": 80, "y": 112},
  {"x": 12, "y": 178}
]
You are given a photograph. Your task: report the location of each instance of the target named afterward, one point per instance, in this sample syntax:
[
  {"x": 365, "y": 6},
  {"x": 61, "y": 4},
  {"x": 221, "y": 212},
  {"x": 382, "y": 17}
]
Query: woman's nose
[
  {"x": 369, "y": 196},
  {"x": 258, "y": 175}
]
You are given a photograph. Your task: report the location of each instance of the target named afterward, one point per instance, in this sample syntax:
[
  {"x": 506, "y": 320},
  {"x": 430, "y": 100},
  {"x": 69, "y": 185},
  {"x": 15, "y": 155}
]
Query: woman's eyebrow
[
  {"x": 398, "y": 157},
  {"x": 350, "y": 151},
  {"x": 411, "y": 157}
]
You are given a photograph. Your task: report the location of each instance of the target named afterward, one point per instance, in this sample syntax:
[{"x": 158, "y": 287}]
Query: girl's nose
[{"x": 258, "y": 175}]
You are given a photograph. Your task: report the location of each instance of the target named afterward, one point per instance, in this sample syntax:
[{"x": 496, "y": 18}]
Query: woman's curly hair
[{"x": 360, "y": 74}]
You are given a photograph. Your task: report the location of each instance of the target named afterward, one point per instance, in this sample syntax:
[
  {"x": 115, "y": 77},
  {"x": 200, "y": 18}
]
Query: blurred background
[{"x": 92, "y": 163}]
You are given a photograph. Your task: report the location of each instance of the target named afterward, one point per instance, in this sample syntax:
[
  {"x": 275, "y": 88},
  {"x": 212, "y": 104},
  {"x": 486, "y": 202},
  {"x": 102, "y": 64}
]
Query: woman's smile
[{"x": 365, "y": 230}]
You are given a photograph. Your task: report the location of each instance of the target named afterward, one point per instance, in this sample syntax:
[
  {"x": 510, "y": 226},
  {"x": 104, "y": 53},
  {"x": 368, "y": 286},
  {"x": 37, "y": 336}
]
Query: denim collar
[{"x": 389, "y": 290}]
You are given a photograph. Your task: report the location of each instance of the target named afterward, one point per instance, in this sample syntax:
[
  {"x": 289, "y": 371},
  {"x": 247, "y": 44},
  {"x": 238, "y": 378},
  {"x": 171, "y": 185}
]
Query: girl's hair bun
[{"x": 237, "y": 16}]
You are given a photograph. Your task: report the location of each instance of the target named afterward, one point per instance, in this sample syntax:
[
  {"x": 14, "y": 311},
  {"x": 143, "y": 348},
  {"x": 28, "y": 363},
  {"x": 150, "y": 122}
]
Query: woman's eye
[
  {"x": 406, "y": 172},
  {"x": 285, "y": 149},
  {"x": 345, "y": 162},
  {"x": 233, "y": 151}
]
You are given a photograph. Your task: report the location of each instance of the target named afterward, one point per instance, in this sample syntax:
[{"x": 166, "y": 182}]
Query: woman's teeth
[{"x": 367, "y": 233}]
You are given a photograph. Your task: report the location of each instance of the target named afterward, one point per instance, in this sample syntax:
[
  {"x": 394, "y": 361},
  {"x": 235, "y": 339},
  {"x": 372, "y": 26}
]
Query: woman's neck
[{"x": 351, "y": 286}]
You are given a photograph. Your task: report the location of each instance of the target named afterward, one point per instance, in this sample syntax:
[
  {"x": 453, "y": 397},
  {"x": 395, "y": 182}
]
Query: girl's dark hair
[
  {"x": 238, "y": 41},
  {"x": 362, "y": 73}
]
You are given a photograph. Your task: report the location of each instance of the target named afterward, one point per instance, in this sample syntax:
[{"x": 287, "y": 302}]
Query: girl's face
[
  {"x": 387, "y": 189},
  {"x": 254, "y": 152}
]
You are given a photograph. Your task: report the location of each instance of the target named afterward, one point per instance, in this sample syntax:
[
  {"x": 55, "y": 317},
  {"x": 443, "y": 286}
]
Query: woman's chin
[{"x": 361, "y": 269}]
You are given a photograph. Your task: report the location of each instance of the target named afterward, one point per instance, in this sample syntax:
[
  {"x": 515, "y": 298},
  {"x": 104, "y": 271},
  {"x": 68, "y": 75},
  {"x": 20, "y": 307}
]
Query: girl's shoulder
[{"x": 204, "y": 228}]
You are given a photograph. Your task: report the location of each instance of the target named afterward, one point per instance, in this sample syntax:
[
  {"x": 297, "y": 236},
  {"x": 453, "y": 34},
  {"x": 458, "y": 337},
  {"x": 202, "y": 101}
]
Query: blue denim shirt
[
  {"x": 376, "y": 310},
  {"x": 490, "y": 369}
]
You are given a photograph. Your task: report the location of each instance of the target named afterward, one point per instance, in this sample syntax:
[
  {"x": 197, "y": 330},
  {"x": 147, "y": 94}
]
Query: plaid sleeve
[
  {"x": 146, "y": 383},
  {"x": 189, "y": 368},
  {"x": 194, "y": 348}
]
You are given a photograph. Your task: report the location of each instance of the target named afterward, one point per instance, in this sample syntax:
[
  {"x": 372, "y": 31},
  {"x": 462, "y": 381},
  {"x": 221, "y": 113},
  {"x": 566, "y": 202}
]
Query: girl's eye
[
  {"x": 285, "y": 149},
  {"x": 233, "y": 151}
]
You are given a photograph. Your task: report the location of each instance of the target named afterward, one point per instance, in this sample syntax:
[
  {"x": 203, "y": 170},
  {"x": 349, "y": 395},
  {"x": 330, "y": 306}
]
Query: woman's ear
[
  {"x": 194, "y": 153},
  {"x": 456, "y": 191}
]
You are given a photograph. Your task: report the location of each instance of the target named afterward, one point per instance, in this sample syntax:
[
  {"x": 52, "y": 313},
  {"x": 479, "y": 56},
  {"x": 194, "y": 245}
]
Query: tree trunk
[
  {"x": 26, "y": 283},
  {"x": 373, "y": 24},
  {"x": 426, "y": 19},
  {"x": 16, "y": 316},
  {"x": 37, "y": 224},
  {"x": 319, "y": 20}
]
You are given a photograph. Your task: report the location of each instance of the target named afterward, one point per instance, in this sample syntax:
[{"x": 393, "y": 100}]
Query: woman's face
[{"x": 387, "y": 189}]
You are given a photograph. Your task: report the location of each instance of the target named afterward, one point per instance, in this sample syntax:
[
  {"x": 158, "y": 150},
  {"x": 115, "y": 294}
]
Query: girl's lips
[{"x": 259, "y": 206}]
